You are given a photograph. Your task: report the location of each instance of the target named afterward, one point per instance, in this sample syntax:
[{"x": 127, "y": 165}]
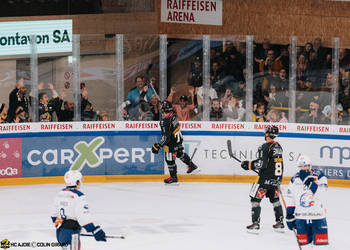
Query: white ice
[{"x": 152, "y": 216}]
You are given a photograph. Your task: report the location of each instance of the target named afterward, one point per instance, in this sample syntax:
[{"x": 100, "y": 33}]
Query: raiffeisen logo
[{"x": 91, "y": 154}]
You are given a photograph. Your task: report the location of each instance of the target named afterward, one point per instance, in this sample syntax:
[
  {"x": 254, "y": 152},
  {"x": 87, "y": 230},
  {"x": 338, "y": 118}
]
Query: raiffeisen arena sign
[{"x": 52, "y": 36}]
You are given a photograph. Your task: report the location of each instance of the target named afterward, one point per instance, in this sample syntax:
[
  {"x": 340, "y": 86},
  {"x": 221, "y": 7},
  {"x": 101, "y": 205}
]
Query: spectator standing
[
  {"x": 258, "y": 115},
  {"x": 154, "y": 107},
  {"x": 195, "y": 77},
  {"x": 18, "y": 98},
  {"x": 3, "y": 112},
  {"x": 183, "y": 109},
  {"x": 46, "y": 106}
]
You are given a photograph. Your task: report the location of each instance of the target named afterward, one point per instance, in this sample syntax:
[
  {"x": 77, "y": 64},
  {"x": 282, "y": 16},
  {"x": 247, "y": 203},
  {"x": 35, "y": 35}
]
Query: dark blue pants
[{"x": 312, "y": 231}]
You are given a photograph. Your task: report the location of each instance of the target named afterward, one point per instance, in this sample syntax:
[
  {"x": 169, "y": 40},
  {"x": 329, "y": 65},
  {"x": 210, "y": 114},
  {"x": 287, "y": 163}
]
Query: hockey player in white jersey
[
  {"x": 70, "y": 213},
  {"x": 306, "y": 210}
]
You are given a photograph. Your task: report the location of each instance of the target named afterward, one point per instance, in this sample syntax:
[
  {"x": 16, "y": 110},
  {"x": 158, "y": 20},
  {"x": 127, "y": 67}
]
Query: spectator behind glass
[
  {"x": 216, "y": 112},
  {"x": 154, "y": 106},
  {"x": 140, "y": 92},
  {"x": 314, "y": 114},
  {"x": 233, "y": 109},
  {"x": 46, "y": 106},
  {"x": 258, "y": 115},
  {"x": 195, "y": 75},
  {"x": 271, "y": 65},
  {"x": 145, "y": 112},
  {"x": 67, "y": 113},
  {"x": 103, "y": 116},
  {"x": 183, "y": 109},
  {"x": 217, "y": 76},
  {"x": 20, "y": 115},
  {"x": 87, "y": 110},
  {"x": 17, "y": 98},
  {"x": 3, "y": 112}
]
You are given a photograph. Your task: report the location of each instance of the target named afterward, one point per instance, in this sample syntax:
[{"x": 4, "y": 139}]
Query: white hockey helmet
[
  {"x": 71, "y": 177},
  {"x": 304, "y": 160}
]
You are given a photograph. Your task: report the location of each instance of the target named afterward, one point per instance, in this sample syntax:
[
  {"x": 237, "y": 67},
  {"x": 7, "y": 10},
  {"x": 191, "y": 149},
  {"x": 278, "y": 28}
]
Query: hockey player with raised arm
[
  {"x": 70, "y": 213},
  {"x": 306, "y": 211},
  {"x": 171, "y": 142},
  {"x": 269, "y": 166}
]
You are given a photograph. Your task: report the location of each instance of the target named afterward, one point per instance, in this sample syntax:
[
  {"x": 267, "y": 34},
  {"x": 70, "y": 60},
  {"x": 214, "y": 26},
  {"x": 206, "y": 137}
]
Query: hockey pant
[
  {"x": 312, "y": 231},
  {"x": 68, "y": 237},
  {"x": 170, "y": 160},
  {"x": 257, "y": 193}
]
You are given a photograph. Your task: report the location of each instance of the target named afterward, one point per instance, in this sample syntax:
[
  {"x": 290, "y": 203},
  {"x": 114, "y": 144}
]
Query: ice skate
[
  {"x": 254, "y": 228},
  {"x": 279, "y": 227},
  {"x": 171, "y": 181},
  {"x": 193, "y": 169}
]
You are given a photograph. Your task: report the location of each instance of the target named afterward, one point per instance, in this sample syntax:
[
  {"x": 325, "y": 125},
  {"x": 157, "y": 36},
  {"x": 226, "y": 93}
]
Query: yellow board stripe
[{"x": 152, "y": 178}]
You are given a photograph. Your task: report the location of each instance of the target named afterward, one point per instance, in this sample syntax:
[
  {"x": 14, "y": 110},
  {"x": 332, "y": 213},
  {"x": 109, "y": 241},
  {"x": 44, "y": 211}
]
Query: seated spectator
[
  {"x": 88, "y": 114},
  {"x": 18, "y": 98},
  {"x": 67, "y": 113},
  {"x": 46, "y": 106},
  {"x": 344, "y": 59},
  {"x": 281, "y": 82},
  {"x": 217, "y": 77},
  {"x": 145, "y": 112},
  {"x": 273, "y": 116},
  {"x": 183, "y": 109},
  {"x": 20, "y": 115},
  {"x": 3, "y": 112},
  {"x": 154, "y": 106},
  {"x": 195, "y": 78},
  {"x": 271, "y": 65},
  {"x": 103, "y": 116},
  {"x": 216, "y": 112},
  {"x": 327, "y": 115},
  {"x": 234, "y": 110},
  {"x": 258, "y": 114},
  {"x": 314, "y": 114}
]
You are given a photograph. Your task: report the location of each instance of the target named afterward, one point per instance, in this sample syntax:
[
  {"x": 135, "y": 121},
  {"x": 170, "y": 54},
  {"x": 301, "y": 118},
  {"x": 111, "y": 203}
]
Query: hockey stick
[
  {"x": 230, "y": 152},
  {"x": 194, "y": 152},
  {"x": 285, "y": 207},
  {"x": 149, "y": 82},
  {"x": 107, "y": 236}
]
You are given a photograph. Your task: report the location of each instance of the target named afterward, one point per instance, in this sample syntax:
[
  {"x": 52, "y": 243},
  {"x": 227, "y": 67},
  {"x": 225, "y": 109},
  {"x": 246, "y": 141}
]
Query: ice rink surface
[{"x": 152, "y": 216}]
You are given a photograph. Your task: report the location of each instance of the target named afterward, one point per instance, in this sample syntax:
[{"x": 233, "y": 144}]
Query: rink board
[{"x": 121, "y": 151}]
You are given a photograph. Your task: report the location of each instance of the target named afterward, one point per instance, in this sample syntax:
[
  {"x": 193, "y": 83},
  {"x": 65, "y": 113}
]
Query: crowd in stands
[
  {"x": 51, "y": 106},
  {"x": 227, "y": 91}
]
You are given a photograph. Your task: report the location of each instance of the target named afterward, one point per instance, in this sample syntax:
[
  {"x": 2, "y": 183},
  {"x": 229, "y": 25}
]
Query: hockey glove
[
  {"x": 290, "y": 219},
  {"x": 311, "y": 184},
  {"x": 155, "y": 148},
  {"x": 99, "y": 234},
  {"x": 245, "y": 165}
]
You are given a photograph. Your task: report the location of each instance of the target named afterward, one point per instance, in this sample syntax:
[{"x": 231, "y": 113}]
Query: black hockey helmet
[
  {"x": 166, "y": 106},
  {"x": 271, "y": 131}
]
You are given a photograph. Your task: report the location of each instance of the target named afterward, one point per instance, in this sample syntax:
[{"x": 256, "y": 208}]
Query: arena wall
[{"x": 37, "y": 153}]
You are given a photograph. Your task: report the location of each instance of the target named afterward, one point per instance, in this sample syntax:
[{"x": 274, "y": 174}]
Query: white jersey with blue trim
[
  {"x": 71, "y": 204},
  {"x": 308, "y": 204}
]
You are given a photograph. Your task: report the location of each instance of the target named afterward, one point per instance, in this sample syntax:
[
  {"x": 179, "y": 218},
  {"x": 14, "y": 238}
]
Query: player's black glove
[
  {"x": 245, "y": 165},
  {"x": 155, "y": 148},
  {"x": 99, "y": 234},
  {"x": 309, "y": 180},
  {"x": 290, "y": 219}
]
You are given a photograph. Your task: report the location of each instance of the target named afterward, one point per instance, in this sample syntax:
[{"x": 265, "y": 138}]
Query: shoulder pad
[
  {"x": 318, "y": 173},
  {"x": 77, "y": 192}
]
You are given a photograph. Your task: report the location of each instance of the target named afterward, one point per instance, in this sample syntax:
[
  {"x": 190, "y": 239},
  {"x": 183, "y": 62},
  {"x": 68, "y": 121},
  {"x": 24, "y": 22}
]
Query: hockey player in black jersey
[
  {"x": 171, "y": 142},
  {"x": 269, "y": 166}
]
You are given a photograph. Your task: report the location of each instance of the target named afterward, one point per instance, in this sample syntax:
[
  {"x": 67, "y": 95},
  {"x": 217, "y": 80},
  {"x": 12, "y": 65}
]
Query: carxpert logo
[
  {"x": 341, "y": 153},
  {"x": 117, "y": 155}
]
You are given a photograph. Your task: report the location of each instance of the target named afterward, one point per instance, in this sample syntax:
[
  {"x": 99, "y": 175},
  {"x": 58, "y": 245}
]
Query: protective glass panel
[
  {"x": 314, "y": 81},
  {"x": 270, "y": 82},
  {"x": 344, "y": 85},
  {"x": 227, "y": 79},
  {"x": 98, "y": 78},
  {"x": 141, "y": 78},
  {"x": 185, "y": 76},
  {"x": 15, "y": 84}
]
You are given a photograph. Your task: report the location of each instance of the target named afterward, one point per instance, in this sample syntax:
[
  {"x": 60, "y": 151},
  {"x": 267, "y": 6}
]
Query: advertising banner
[
  {"x": 10, "y": 158},
  {"x": 211, "y": 155},
  {"x": 52, "y": 36},
  {"x": 93, "y": 155},
  {"x": 192, "y": 11}
]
